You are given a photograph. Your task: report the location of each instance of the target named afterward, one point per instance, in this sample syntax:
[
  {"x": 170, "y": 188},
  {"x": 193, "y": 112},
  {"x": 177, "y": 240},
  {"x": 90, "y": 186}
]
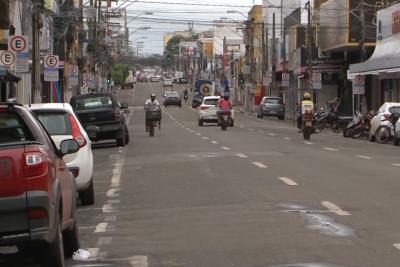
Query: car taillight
[
  {"x": 76, "y": 132},
  {"x": 35, "y": 165},
  {"x": 203, "y": 107}
]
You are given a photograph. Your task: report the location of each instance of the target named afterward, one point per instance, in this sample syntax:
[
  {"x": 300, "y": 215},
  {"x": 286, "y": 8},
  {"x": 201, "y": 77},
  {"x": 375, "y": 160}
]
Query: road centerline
[{"x": 287, "y": 181}]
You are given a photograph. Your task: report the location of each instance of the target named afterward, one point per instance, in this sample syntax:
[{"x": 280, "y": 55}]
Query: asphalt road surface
[{"x": 255, "y": 195}]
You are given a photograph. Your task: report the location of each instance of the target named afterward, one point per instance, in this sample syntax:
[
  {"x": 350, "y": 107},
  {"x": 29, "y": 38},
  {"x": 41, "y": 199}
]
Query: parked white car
[
  {"x": 167, "y": 82},
  {"x": 207, "y": 111},
  {"x": 381, "y": 117},
  {"x": 61, "y": 123}
]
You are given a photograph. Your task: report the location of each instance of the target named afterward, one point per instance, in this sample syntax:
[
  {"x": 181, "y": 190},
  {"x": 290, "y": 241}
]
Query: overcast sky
[{"x": 174, "y": 15}]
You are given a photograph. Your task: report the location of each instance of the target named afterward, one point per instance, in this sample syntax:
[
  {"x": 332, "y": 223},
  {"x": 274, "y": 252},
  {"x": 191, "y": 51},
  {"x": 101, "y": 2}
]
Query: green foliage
[{"x": 120, "y": 73}]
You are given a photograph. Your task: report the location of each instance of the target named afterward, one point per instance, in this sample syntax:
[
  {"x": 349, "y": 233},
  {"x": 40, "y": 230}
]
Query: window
[
  {"x": 211, "y": 101},
  {"x": 13, "y": 129},
  {"x": 56, "y": 123},
  {"x": 395, "y": 109},
  {"x": 93, "y": 102},
  {"x": 273, "y": 101}
]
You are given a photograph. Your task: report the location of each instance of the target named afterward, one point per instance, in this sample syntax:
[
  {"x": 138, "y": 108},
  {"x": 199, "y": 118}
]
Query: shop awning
[
  {"x": 7, "y": 76},
  {"x": 385, "y": 59}
]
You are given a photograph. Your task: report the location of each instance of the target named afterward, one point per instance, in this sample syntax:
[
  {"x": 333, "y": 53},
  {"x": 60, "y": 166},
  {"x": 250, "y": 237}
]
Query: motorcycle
[
  {"x": 307, "y": 126},
  {"x": 358, "y": 126},
  {"x": 152, "y": 117},
  {"x": 224, "y": 119},
  {"x": 386, "y": 131}
]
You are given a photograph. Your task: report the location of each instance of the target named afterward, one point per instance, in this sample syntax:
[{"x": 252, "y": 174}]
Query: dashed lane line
[
  {"x": 205, "y": 138},
  {"x": 331, "y": 149},
  {"x": 260, "y": 131},
  {"x": 225, "y": 148},
  {"x": 104, "y": 240},
  {"x": 198, "y": 134},
  {"x": 101, "y": 228},
  {"x": 287, "y": 138},
  {"x": 363, "y": 157},
  {"x": 251, "y": 129},
  {"x": 308, "y": 143},
  {"x": 260, "y": 165},
  {"x": 288, "y": 181},
  {"x": 271, "y": 134},
  {"x": 240, "y": 155},
  {"x": 139, "y": 261},
  {"x": 214, "y": 142},
  {"x": 397, "y": 245},
  {"x": 334, "y": 208},
  {"x": 396, "y": 164}
]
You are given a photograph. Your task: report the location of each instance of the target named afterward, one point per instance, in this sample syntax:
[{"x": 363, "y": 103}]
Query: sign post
[
  {"x": 19, "y": 45},
  {"x": 285, "y": 79},
  {"x": 317, "y": 80},
  {"x": 7, "y": 59},
  {"x": 358, "y": 90},
  {"x": 73, "y": 75},
  {"x": 51, "y": 68}
]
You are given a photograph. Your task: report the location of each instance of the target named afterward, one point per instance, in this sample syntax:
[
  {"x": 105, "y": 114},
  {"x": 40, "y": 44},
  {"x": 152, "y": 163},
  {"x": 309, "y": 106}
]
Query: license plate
[
  {"x": 273, "y": 112},
  {"x": 308, "y": 123},
  {"x": 5, "y": 168}
]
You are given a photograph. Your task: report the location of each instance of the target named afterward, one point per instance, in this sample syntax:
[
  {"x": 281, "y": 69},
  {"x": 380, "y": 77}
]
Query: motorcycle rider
[
  {"x": 151, "y": 104},
  {"x": 305, "y": 105},
  {"x": 185, "y": 94},
  {"x": 224, "y": 105}
]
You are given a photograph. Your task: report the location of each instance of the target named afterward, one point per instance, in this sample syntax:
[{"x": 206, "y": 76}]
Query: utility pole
[
  {"x": 273, "y": 84},
  {"x": 36, "y": 88},
  {"x": 263, "y": 49},
  {"x": 81, "y": 62},
  {"x": 363, "y": 46},
  {"x": 309, "y": 48}
]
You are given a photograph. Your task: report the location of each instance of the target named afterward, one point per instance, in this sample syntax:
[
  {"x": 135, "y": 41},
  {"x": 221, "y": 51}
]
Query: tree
[{"x": 120, "y": 73}]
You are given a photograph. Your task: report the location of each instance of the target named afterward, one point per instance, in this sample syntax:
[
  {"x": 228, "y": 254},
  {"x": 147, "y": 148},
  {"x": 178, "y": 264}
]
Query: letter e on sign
[
  {"x": 18, "y": 43},
  {"x": 7, "y": 58}
]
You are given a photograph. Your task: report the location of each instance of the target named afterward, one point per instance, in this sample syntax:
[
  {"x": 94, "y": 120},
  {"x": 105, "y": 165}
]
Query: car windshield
[
  {"x": 93, "y": 102},
  {"x": 13, "y": 129},
  {"x": 172, "y": 94},
  {"x": 394, "y": 109},
  {"x": 211, "y": 101},
  {"x": 56, "y": 123},
  {"x": 275, "y": 101}
]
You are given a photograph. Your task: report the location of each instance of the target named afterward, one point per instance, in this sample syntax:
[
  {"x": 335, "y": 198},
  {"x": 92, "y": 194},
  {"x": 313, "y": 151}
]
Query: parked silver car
[{"x": 271, "y": 106}]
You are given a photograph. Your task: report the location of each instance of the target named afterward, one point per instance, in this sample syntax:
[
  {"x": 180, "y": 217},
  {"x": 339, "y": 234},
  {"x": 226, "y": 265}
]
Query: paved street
[{"x": 256, "y": 195}]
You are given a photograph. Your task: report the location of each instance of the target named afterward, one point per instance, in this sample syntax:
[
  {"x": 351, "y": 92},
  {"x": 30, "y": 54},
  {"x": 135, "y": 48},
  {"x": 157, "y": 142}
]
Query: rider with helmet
[{"x": 306, "y": 104}]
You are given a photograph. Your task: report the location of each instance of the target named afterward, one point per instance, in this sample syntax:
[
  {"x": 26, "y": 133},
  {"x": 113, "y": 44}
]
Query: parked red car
[{"x": 37, "y": 192}]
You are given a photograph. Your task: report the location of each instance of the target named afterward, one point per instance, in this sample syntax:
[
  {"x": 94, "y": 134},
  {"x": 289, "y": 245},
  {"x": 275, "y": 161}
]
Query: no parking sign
[{"x": 359, "y": 85}]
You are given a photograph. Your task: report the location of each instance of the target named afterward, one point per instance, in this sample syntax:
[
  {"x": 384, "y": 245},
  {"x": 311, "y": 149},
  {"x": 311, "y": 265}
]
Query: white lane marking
[
  {"x": 397, "y": 245},
  {"x": 104, "y": 240},
  {"x": 192, "y": 131},
  {"x": 287, "y": 138},
  {"x": 214, "y": 142},
  {"x": 271, "y": 134},
  {"x": 113, "y": 201},
  {"x": 240, "y": 155},
  {"x": 205, "y": 138},
  {"x": 241, "y": 126},
  {"x": 334, "y": 208},
  {"x": 308, "y": 143},
  {"x": 260, "y": 131},
  {"x": 101, "y": 228},
  {"x": 251, "y": 129},
  {"x": 139, "y": 261},
  {"x": 396, "y": 164},
  {"x": 111, "y": 193},
  {"x": 87, "y": 227},
  {"x": 363, "y": 157},
  {"x": 260, "y": 165},
  {"x": 331, "y": 149},
  {"x": 116, "y": 178},
  {"x": 225, "y": 148},
  {"x": 187, "y": 129},
  {"x": 198, "y": 134},
  {"x": 182, "y": 126},
  {"x": 287, "y": 181},
  {"x": 107, "y": 208}
]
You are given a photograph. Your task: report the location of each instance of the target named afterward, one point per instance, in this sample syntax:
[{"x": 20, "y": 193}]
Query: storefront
[{"x": 383, "y": 67}]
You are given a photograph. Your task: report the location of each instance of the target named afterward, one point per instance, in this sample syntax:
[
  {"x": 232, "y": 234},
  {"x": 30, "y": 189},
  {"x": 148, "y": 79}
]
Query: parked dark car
[
  {"x": 196, "y": 101},
  {"x": 102, "y": 116},
  {"x": 271, "y": 106},
  {"x": 37, "y": 192},
  {"x": 172, "y": 98}
]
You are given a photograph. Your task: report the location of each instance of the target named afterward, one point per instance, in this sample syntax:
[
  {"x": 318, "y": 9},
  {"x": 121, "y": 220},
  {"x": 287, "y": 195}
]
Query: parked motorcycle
[
  {"x": 358, "y": 126},
  {"x": 385, "y": 132}
]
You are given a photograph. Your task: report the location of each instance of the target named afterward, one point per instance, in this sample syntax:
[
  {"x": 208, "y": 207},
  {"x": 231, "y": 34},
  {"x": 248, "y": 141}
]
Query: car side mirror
[
  {"x": 124, "y": 106},
  {"x": 69, "y": 146}
]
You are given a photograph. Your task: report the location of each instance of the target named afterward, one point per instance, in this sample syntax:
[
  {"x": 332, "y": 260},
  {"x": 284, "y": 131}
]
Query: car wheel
[
  {"x": 53, "y": 255},
  {"x": 126, "y": 135},
  {"x": 121, "y": 139},
  {"x": 200, "y": 123},
  {"x": 71, "y": 240},
  {"x": 231, "y": 123},
  {"x": 87, "y": 196}
]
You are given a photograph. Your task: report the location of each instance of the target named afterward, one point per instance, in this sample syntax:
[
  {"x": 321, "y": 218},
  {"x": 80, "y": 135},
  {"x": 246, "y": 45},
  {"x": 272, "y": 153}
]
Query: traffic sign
[
  {"x": 7, "y": 58},
  {"x": 18, "y": 43},
  {"x": 73, "y": 70},
  {"x": 51, "y": 61},
  {"x": 51, "y": 76},
  {"x": 359, "y": 85},
  {"x": 317, "y": 80},
  {"x": 285, "y": 79}
]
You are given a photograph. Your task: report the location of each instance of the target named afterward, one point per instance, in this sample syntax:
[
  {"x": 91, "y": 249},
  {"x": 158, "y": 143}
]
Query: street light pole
[{"x": 309, "y": 47}]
